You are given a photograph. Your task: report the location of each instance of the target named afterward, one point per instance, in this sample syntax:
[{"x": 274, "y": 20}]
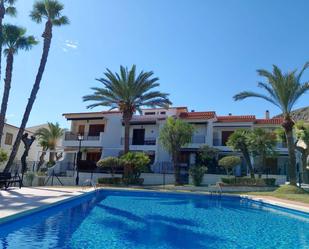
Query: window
[
  {"x": 150, "y": 113},
  {"x": 81, "y": 129},
  {"x": 162, "y": 113},
  {"x": 95, "y": 130},
  {"x": 8, "y": 138},
  {"x": 225, "y": 137}
]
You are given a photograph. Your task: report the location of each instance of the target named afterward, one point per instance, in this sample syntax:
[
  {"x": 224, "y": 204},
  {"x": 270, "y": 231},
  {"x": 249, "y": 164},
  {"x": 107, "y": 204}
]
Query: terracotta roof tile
[
  {"x": 233, "y": 118},
  {"x": 269, "y": 121},
  {"x": 197, "y": 115}
]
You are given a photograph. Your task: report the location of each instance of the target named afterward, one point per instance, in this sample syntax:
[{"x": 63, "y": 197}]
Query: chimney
[
  {"x": 267, "y": 114},
  {"x": 230, "y": 114}
]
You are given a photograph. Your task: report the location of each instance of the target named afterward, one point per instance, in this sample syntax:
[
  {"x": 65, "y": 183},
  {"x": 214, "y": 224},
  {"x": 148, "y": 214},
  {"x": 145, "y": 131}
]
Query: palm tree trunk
[
  {"x": 176, "y": 168},
  {"x": 41, "y": 160},
  {"x": 248, "y": 162},
  {"x": 288, "y": 128},
  {"x": 126, "y": 119},
  {"x": 2, "y": 13},
  {"x": 52, "y": 157},
  {"x": 47, "y": 35},
  {"x": 6, "y": 92}
]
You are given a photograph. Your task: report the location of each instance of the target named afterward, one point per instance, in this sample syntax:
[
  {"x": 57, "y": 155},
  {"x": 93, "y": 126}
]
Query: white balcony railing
[
  {"x": 146, "y": 141},
  {"x": 71, "y": 136}
]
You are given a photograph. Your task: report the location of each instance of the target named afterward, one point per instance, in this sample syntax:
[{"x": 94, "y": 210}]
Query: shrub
[
  {"x": 108, "y": 180},
  {"x": 3, "y": 156},
  {"x": 197, "y": 172},
  {"x": 249, "y": 181},
  {"x": 110, "y": 163},
  {"x": 134, "y": 164},
  {"x": 229, "y": 163}
]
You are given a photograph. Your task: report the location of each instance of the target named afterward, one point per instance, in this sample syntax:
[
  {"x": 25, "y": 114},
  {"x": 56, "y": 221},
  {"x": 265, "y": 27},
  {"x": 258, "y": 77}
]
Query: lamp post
[{"x": 80, "y": 138}]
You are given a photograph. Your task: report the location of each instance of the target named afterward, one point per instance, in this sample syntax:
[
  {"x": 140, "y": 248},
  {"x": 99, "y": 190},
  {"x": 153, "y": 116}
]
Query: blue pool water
[{"x": 126, "y": 219}]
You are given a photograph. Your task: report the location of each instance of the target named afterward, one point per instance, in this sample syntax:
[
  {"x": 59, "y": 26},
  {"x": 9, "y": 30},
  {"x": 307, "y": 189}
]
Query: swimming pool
[{"x": 139, "y": 219}]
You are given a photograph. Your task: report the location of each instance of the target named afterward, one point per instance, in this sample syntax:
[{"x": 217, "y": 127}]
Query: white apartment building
[{"x": 103, "y": 135}]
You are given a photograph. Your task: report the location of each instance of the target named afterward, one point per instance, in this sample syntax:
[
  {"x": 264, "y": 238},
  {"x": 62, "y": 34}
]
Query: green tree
[
  {"x": 207, "y": 156},
  {"x": 14, "y": 39},
  {"x": 51, "y": 12},
  {"x": 128, "y": 92},
  {"x": 48, "y": 138},
  {"x": 262, "y": 144},
  {"x": 302, "y": 145},
  {"x": 282, "y": 90},
  {"x": 238, "y": 141},
  {"x": 174, "y": 134},
  {"x": 229, "y": 163},
  {"x": 6, "y": 8}
]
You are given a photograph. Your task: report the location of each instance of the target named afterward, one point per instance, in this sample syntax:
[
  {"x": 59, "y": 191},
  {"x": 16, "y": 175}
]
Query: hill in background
[{"x": 299, "y": 114}]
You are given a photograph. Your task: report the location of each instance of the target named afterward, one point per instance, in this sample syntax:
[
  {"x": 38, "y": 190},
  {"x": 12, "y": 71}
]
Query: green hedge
[
  {"x": 119, "y": 180},
  {"x": 109, "y": 180},
  {"x": 249, "y": 181}
]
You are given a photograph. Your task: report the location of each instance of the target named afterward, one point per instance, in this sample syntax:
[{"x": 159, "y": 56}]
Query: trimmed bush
[
  {"x": 134, "y": 164},
  {"x": 197, "y": 172},
  {"x": 245, "y": 181},
  {"x": 229, "y": 163},
  {"x": 111, "y": 164},
  {"x": 108, "y": 180}
]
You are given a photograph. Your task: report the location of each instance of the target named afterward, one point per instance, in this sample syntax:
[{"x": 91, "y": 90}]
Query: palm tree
[
  {"x": 128, "y": 92},
  {"x": 282, "y": 90},
  {"x": 51, "y": 11},
  {"x": 14, "y": 39},
  {"x": 6, "y": 8},
  {"x": 48, "y": 138}
]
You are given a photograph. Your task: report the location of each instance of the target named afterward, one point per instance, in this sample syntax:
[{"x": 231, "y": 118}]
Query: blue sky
[{"x": 203, "y": 51}]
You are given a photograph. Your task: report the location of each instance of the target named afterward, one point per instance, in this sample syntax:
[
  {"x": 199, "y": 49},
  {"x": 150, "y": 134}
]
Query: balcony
[
  {"x": 89, "y": 140},
  {"x": 146, "y": 141},
  {"x": 71, "y": 136},
  {"x": 198, "y": 139}
]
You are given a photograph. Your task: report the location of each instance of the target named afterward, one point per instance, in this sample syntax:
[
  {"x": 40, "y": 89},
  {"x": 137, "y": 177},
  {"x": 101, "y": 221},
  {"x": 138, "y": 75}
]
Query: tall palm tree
[
  {"x": 6, "y": 8},
  {"x": 282, "y": 90},
  {"x": 51, "y": 12},
  {"x": 128, "y": 92},
  {"x": 14, "y": 39},
  {"x": 49, "y": 137}
]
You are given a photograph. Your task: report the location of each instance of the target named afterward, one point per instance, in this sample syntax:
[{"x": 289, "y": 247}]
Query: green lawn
[{"x": 286, "y": 192}]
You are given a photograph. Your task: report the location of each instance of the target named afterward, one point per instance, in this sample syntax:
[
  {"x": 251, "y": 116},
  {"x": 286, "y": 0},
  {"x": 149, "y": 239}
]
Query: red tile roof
[
  {"x": 269, "y": 121},
  {"x": 197, "y": 115},
  {"x": 233, "y": 118}
]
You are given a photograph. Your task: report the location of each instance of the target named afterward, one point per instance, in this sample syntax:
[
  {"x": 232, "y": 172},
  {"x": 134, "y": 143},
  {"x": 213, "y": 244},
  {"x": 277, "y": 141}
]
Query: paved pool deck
[{"x": 14, "y": 200}]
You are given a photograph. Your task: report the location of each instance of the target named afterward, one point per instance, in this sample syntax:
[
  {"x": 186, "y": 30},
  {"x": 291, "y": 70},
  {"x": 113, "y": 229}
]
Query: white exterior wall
[
  {"x": 111, "y": 140},
  {"x": 34, "y": 150}
]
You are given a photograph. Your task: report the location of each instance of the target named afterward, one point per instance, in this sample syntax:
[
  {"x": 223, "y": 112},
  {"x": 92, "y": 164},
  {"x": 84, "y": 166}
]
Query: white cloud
[{"x": 71, "y": 44}]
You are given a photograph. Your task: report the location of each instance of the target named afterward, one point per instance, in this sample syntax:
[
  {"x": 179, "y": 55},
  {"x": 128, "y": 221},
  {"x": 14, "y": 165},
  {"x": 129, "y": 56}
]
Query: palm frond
[
  {"x": 127, "y": 91},
  {"x": 63, "y": 20},
  {"x": 247, "y": 94},
  {"x": 11, "y": 11}
]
